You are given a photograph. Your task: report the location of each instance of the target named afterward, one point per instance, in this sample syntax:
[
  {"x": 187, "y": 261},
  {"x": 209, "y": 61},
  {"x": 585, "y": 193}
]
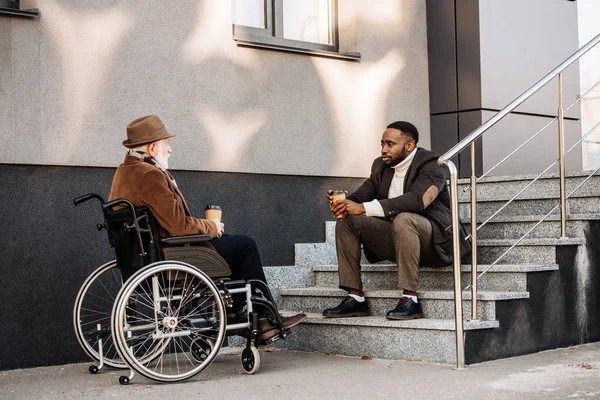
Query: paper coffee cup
[
  {"x": 337, "y": 195},
  {"x": 213, "y": 212}
]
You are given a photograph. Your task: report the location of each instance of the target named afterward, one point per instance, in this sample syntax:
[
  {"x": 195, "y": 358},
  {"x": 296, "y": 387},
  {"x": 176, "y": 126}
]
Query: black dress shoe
[
  {"x": 349, "y": 307},
  {"x": 406, "y": 309}
]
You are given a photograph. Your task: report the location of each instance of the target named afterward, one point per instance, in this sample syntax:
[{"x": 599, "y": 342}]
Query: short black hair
[{"x": 407, "y": 128}]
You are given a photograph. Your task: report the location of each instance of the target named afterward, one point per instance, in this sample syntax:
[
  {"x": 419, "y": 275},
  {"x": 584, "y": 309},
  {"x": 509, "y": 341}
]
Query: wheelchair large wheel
[
  {"x": 162, "y": 314},
  {"x": 92, "y": 310}
]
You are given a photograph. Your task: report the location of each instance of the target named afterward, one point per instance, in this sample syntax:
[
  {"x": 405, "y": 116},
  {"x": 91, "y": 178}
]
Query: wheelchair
[{"x": 160, "y": 308}]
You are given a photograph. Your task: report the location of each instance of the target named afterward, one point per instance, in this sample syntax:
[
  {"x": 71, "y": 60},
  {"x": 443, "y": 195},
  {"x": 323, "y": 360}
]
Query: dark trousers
[{"x": 241, "y": 253}]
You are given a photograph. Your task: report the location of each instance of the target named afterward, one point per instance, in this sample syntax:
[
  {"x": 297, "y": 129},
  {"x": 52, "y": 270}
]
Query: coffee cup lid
[
  {"x": 212, "y": 207},
  {"x": 340, "y": 191}
]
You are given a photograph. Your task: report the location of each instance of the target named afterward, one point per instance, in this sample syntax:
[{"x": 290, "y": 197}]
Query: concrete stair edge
[
  {"x": 425, "y": 295},
  {"x": 498, "y": 268},
  {"x": 379, "y": 321}
]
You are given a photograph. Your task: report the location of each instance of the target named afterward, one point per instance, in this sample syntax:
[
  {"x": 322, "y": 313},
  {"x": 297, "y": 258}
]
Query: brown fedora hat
[{"x": 145, "y": 130}]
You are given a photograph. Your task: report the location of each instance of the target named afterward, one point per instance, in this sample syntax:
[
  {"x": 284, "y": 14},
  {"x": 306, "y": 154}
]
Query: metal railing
[{"x": 446, "y": 158}]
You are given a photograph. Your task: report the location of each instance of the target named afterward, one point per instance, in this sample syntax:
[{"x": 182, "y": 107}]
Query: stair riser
[
  {"x": 514, "y": 230},
  {"x": 526, "y": 254},
  {"x": 543, "y": 188},
  {"x": 485, "y": 209},
  {"x": 432, "y": 308},
  {"x": 309, "y": 254},
  {"x": 496, "y": 281},
  {"x": 396, "y": 344}
]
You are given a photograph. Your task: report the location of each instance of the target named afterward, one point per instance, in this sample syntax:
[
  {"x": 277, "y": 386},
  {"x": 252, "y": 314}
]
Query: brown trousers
[{"x": 407, "y": 240}]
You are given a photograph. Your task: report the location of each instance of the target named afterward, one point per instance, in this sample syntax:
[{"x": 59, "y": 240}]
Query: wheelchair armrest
[{"x": 187, "y": 239}]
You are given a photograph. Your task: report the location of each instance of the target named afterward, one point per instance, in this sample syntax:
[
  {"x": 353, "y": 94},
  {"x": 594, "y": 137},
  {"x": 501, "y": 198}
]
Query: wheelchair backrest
[{"x": 134, "y": 233}]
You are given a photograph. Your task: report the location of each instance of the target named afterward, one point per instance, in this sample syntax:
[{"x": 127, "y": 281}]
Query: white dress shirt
[{"x": 373, "y": 208}]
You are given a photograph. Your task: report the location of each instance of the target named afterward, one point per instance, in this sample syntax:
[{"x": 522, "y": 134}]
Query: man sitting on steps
[{"x": 402, "y": 214}]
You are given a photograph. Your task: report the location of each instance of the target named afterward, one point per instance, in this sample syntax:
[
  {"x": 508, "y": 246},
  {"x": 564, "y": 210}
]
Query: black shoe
[
  {"x": 349, "y": 307},
  {"x": 406, "y": 309}
]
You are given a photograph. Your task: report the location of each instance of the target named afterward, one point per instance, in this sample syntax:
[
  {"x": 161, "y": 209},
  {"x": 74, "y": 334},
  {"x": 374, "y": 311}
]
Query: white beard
[
  {"x": 162, "y": 157},
  {"x": 163, "y": 161}
]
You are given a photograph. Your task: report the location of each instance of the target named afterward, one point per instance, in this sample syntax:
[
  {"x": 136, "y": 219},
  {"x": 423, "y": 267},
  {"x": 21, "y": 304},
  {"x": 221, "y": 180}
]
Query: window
[
  {"x": 305, "y": 26},
  {"x": 12, "y": 8}
]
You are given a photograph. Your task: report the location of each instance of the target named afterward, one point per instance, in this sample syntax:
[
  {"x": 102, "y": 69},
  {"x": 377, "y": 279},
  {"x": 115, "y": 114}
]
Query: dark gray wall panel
[
  {"x": 49, "y": 246},
  {"x": 441, "y": 48},
  {"x": 467, "y": 123},
  {"x": 444, "y": 132},
  {"x": 468, "y": 54}
]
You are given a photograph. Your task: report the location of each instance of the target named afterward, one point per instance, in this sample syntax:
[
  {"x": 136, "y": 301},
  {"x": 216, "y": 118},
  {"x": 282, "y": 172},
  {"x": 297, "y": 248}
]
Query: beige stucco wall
[{"x": 71, "y": 80}]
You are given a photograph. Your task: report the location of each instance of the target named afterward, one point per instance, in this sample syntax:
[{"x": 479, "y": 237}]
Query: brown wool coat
[{"x": 145, "y": 185}]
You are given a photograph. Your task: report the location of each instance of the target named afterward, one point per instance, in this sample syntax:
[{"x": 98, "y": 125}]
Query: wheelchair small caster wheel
[
  {"x": 93, "y": 369},
  {"x": 124, "y": 380},
  {"x": 250, "y": 360}
]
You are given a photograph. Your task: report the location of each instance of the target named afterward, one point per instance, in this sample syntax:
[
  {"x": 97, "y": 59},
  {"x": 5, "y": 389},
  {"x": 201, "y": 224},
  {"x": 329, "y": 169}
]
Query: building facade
[{"x": 270, "y": 109}]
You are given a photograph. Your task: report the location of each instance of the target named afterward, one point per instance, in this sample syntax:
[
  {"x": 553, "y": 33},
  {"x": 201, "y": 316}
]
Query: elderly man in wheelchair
[{"x": 179, "y": 285}]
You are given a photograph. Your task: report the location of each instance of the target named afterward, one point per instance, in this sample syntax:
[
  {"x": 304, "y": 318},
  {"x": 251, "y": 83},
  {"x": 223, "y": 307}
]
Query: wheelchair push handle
[{"x": 85, "y": 197}]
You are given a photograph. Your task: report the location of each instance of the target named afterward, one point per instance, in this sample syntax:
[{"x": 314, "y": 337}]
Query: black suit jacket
[{"x": 425, "y": 193}]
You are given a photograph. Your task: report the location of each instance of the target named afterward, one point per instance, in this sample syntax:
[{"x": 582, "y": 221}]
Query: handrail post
[
  {"x": 473, "y": 235},
  {"x": 561, "y": 155},
  {"x": 460, "y": 339}
]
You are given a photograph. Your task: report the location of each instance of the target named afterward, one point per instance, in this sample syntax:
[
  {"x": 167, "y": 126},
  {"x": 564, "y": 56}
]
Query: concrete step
[
  {"x": 505, "y": 187},
  {"x": 511, "y": 227},
  {"x": 528, "y": 251},
  {"x": 525, "y": 207},
  {"x": 536, "y": 250},
  {"x": 429, "y": 340},
  {"x": 435, "y": 304},
  {"x": 502, "y": 277}
]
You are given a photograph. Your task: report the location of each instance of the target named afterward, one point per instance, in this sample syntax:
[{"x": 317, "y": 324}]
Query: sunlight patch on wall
[
  {"x": 212, "y": 37},
  {"x": 87, "y": 43},
  {"x": 229, "y": 134},
  {"x": 357, "y": 95},
  {"x": 382, "y": 12}
]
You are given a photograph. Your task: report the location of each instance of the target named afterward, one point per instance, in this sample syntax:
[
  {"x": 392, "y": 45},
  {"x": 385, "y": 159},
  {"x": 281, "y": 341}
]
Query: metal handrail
[{"x": 445, "y": 160}]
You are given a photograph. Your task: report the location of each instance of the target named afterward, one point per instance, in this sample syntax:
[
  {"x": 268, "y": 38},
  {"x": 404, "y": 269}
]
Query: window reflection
[
  {"x": 249, "y": 13},
  {"x": 308, "y": 21}
]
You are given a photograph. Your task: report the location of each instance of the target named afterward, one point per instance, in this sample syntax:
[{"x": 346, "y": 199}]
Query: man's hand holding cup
[{"x": 336, "y": 199}]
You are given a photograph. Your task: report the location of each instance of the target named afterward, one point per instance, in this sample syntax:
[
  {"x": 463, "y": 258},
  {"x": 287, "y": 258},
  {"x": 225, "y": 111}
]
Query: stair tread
[
  {"x": 379, "y": 321},
  {"x": 534, "y": 218},
  {"x": 396, "y": 293},
  {"x": 464, "y": 268},
  {"x": 524, "y": 177},
  {"x": 531, "y": 242}
]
